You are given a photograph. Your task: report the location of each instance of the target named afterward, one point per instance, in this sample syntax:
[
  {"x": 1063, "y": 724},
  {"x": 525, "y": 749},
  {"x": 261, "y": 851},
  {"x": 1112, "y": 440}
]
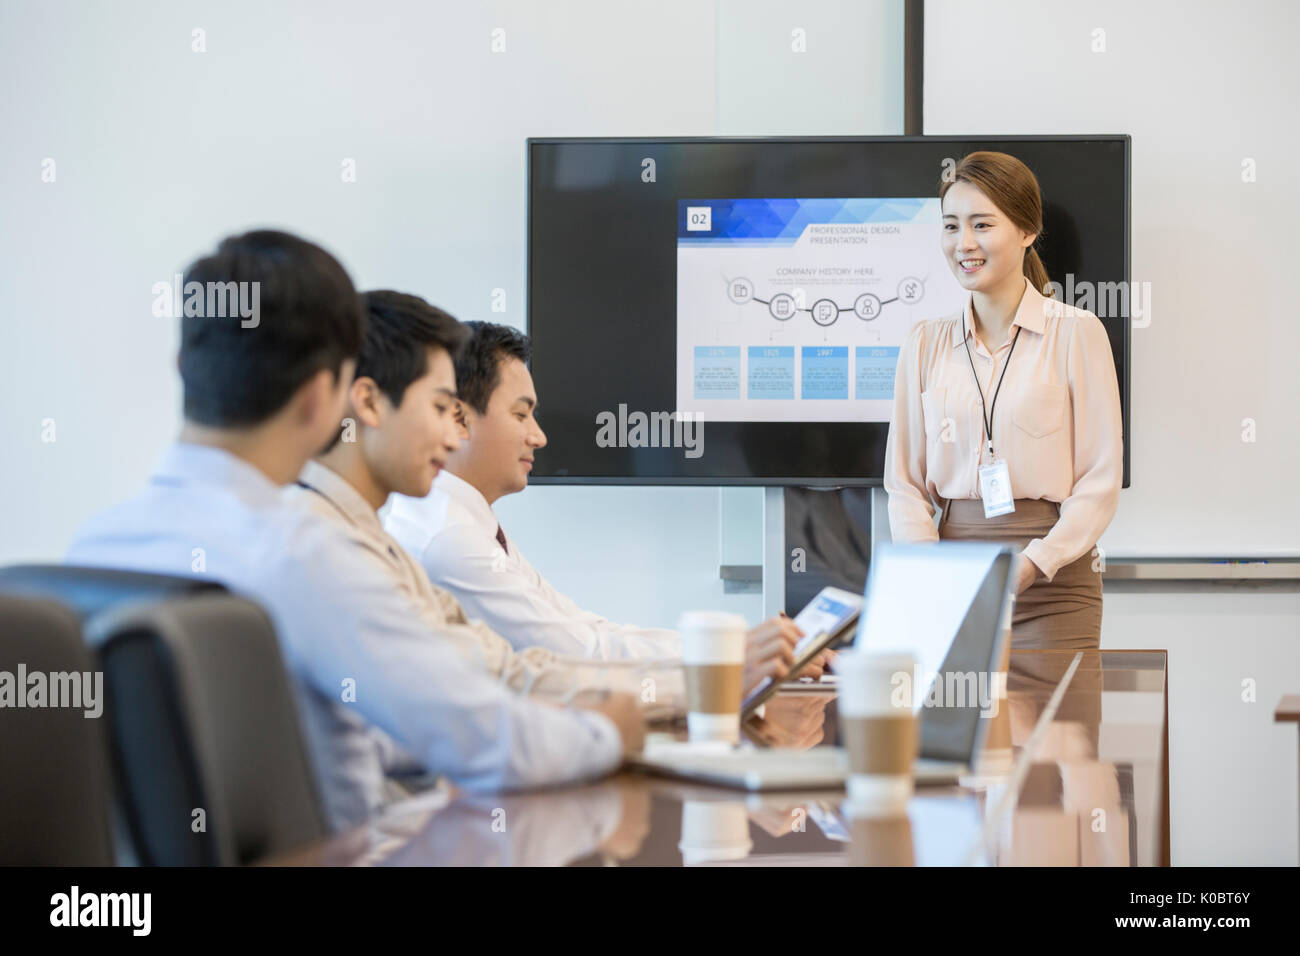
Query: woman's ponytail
[{"x": 1037, "y": 272}]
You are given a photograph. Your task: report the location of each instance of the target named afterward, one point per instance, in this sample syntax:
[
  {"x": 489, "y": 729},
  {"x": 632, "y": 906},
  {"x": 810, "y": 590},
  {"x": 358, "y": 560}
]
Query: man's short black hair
[
  {"x": 239, "y": 372},
  {"x": 478, "y": 370},
  {"x": 400, "y": 330}
]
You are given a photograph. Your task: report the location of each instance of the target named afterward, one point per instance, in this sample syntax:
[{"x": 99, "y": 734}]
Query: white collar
[{"x": 461, "y": 491}]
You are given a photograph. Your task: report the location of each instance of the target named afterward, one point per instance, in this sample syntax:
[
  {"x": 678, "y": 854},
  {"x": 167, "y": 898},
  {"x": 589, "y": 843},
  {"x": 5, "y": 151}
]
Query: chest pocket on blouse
[
  {"x": 932, "y": 410},
  {"x": 1041, "y": 410}
]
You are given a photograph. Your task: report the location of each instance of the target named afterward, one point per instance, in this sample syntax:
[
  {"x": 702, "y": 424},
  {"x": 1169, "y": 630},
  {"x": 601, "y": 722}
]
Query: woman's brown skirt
[{"x": 1062, "y": 615}]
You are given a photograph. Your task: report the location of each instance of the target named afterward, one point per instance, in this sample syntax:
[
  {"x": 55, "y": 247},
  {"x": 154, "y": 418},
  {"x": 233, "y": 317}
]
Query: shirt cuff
[
  {"x": 910, "y": 531},
  {"x": 1040, "y": 552},
  {"x": 606, "y": 753}
]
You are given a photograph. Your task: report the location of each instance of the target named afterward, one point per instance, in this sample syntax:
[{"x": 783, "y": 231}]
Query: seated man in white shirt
[
  {"x": 395, "y": 439},
  {"x": 455, "y": 535},
  {"x": 260, "y": 399}
]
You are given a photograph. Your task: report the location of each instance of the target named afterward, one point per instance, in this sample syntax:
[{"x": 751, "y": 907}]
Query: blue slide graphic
[
  {"x": 873, "y": 371},
  {"x": 771, "y": 371},
  {"x": 717, "y": 371},
  {"x": 825, "y": 372}
]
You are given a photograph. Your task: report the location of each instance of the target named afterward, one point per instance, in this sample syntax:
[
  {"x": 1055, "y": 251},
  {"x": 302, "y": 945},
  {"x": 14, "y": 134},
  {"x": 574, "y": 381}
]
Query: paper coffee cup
[
  {"x": 878, "y": 728},
  {"x": 713, "y": 659},
  {"x": 714, "y": 831},
  {"x": 881, "y": 841}
]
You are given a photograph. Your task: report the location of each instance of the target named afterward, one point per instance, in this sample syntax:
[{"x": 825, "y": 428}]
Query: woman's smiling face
[{"x": 982, "y": 246}]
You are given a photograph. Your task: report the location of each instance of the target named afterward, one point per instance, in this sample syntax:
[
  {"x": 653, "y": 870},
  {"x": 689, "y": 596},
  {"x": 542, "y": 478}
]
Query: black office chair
[
  {"x": 212, "y": 769},
  {"x": 54, "y": 776},
  {"x": 91, "y": 590}
]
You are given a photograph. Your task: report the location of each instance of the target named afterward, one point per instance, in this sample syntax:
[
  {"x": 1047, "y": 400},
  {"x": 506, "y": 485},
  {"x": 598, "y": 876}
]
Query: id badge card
[{"x": 995, "y": 487}]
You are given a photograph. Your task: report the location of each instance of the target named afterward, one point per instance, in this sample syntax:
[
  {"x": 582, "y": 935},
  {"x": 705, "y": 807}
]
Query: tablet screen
[{"x": 825, "y": 614}]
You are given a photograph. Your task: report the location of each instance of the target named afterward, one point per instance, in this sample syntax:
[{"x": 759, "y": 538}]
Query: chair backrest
[
  {"x": 91, "y": 590},
  {"x": 212, "y": 766},
  {"x": 55, "y": 803}
]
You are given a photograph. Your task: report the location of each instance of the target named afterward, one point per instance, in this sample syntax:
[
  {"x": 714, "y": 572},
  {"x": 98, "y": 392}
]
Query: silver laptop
[
  {"x": 946, "y": 604},
  {"x": 952, "y": 600}
]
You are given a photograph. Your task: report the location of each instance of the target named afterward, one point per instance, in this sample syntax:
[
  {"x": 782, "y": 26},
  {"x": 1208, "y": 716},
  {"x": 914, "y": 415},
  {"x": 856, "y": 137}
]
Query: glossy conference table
[{"x": 1085, "y": 784}]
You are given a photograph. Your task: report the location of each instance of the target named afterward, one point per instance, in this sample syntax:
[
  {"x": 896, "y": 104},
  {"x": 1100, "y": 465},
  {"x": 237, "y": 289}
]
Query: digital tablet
[{"x": 825, "y": 621}]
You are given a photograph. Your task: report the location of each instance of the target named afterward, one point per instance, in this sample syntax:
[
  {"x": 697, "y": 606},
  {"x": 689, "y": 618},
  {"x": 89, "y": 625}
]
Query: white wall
[
  {"x": 1234, "y": 651},
  {"x": 159, "y": 151}
]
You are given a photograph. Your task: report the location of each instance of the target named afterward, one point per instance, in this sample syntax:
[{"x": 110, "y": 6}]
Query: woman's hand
[{"x": 1026, "y": 572}]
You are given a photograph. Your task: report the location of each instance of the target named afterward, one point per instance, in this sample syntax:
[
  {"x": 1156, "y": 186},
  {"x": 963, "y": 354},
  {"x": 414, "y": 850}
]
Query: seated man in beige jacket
[{"x": 399, "y": 430}]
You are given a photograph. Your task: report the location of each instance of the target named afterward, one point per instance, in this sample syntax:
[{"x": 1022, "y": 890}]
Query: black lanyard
[
  {"x": 333, "y": 504},
  {"x": 339, "y": 508},
  {"x": 986, "y": 414}
]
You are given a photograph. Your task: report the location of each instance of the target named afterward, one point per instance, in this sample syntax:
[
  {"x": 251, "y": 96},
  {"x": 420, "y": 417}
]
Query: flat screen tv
[{"x": 730, "y": 311}]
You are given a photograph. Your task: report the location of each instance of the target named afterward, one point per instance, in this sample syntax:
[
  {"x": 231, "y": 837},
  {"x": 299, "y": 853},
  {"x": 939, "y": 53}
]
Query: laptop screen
[{"x": 942, "y": 603}]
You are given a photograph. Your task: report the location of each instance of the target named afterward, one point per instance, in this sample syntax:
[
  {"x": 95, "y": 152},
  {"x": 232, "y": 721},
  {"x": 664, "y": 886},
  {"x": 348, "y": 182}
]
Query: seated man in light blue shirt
[
  {"x": 261, "y": 396},
  {"x": 454, "y": 533}
]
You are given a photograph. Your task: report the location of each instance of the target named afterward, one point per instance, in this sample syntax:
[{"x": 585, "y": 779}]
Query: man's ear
[
  {"x": 463, "y": 413},
  {"x": 364, "y": 397}
]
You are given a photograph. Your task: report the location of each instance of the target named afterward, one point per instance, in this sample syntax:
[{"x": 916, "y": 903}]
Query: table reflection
[
  {"x": 546, "y": 828},
  {"x": 1087, "y": 790},
  {"x": 797, "y": 720}
]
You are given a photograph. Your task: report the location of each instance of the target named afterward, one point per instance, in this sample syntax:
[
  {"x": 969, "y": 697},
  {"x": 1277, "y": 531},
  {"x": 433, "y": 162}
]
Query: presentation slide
[{"x": 794, "y": 309}]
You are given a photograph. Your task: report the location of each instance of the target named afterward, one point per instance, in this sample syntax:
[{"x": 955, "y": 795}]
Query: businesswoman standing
[{"x": 1006, "y": 415}]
